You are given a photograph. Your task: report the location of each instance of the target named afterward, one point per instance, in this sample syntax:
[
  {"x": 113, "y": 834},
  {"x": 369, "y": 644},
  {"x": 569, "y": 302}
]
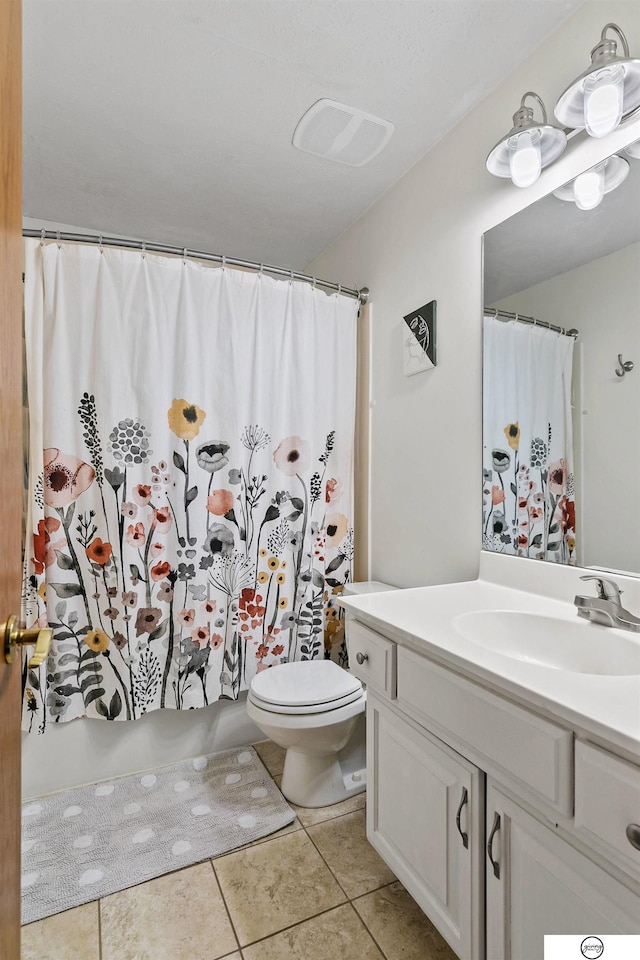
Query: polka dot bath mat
[{"x": 84, "y": 844}]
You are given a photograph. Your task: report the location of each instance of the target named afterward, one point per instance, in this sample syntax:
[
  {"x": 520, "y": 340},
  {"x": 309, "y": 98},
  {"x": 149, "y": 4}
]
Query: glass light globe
[
  {"x": 633, "y": 150},
  {"x": 525, "y": 158},
  {"x": 603, "y": 95},
  {"x": 588, "y": 188}
]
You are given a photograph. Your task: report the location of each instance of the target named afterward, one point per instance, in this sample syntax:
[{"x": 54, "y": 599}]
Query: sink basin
[{"x": 571, "y": 645}]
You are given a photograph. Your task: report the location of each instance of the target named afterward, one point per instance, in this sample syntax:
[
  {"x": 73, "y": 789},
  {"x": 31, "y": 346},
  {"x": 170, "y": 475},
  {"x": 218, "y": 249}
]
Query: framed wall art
[{"x": 419, "y": 340}]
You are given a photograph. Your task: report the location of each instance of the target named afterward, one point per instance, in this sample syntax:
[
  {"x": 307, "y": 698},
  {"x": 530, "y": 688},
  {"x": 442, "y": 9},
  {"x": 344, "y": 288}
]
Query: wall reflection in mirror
[{"x": 561, "y": 431}]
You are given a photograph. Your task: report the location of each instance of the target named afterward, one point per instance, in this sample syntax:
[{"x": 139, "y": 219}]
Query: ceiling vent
[{"x": 345, "y": 134}]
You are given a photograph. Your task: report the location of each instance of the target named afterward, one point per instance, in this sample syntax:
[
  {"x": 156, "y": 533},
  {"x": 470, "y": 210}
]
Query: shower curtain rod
[
  {"x": 521, "y": 318},
  {"x": 362, "y": 295}
]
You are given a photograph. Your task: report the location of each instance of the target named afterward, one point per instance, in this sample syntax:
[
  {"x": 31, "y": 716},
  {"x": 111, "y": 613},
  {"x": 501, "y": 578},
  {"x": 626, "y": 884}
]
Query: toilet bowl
[{"x": 315, "y": 710}]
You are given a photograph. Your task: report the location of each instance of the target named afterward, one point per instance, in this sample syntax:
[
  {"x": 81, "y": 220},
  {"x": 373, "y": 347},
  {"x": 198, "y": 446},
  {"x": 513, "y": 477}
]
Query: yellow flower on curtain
[
  {"x": 185, "y": 419},
  {"x": 512, "y": 433},
  {"x": 97, "y": 640}
]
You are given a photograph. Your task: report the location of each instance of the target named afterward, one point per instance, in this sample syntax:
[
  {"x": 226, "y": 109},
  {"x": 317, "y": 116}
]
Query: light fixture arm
[
  {"x": 535, "y": 96},
  {"x": 523, "y": 117},
  {"x": 618, "y": 30}
]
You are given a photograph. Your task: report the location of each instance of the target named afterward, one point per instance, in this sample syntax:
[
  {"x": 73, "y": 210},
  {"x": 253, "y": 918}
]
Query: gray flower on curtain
[
  {"x": 538, "y": 452},
  {"x": 219, "y": 540},
  {"x": 500, "y": 460},
  {"x": 212, "y": 456},
  {"x": 130, "y": 442}
]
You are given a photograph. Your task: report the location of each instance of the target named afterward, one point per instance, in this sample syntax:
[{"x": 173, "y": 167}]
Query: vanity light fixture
[
  {"x": 588, "y": 189},
  {"x": 606, "y": 93},
  {"x": 528, "y": 147}
]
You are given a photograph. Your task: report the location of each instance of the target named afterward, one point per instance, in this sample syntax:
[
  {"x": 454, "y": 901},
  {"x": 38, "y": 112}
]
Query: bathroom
[{"x": 419, "y": 241}]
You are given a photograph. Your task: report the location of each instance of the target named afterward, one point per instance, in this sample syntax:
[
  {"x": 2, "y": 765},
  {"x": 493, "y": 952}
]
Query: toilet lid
[{"x": 306, "y": 683}]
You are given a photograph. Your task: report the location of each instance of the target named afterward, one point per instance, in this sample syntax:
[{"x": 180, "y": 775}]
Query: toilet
[{"x": 315, "y": 710}]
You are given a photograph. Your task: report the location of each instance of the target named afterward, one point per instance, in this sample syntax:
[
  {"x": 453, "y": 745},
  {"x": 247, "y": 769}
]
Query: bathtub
[{"x": 87, "y": 750}]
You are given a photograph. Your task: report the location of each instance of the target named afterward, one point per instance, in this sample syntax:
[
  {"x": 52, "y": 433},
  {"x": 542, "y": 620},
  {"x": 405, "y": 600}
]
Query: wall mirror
[{"x": 561, "y": 413}]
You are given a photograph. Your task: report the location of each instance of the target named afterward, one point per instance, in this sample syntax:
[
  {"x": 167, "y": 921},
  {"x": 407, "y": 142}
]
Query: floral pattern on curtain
[
  {"x": 191, "y": 479},
  {"x": 528, "y": 481}
]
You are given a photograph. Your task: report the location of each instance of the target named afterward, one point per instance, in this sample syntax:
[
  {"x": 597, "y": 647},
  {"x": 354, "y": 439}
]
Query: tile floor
[{"x": 316, "y": 890}]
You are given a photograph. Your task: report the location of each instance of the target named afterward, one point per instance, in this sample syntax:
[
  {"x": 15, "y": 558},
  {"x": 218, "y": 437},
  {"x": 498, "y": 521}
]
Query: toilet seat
[
  {"x": 304, "y": 687},
  {"x": 300, "y": 709}
]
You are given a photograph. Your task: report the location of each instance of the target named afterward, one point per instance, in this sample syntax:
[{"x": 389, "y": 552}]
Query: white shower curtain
[
  {"x": 528, "y": 481},
  {"x": 191, "y": 457}
]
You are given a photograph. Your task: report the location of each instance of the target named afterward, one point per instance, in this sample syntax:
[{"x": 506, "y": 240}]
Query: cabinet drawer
[
  {"x": 378, "y": 656},
  {"x": 504, "y": 739},
  {"x": 607, "y": 801}
]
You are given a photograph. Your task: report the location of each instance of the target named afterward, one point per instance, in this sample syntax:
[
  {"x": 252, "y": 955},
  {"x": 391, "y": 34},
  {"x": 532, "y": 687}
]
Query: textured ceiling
[{"x": 171, "y": 120}]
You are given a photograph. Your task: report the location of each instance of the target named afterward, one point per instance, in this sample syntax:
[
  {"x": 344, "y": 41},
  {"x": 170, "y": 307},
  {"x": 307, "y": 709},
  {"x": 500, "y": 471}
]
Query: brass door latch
[{"x": 15, "y": 636}]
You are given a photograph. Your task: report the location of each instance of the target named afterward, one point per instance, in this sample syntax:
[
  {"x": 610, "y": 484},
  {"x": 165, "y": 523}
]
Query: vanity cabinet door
[
  {"x": 425, "y": 818},
  {"x": 537, "y": 883}
]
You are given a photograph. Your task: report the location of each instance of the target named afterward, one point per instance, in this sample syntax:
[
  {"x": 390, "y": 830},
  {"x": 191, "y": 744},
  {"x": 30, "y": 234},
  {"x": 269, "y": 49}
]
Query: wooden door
[
  {"x": 11, "y": 457},
  {"x": 538, "y": 884},
  {"x": 425, "y": 817}
]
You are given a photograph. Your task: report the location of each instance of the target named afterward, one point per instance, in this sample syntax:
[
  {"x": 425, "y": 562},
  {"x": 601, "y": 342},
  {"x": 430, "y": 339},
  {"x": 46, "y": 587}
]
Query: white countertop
[{"x": 602, "y": 708}]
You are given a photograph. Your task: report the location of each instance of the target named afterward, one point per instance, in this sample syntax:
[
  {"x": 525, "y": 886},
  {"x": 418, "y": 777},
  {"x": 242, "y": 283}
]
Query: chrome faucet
[{"x": 606, "y": 608}]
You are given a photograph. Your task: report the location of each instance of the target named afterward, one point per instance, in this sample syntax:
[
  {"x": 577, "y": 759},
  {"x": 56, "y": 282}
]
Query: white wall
[
  {"x": 422, "y": 241},
  {"x": 602, "y": 300}
]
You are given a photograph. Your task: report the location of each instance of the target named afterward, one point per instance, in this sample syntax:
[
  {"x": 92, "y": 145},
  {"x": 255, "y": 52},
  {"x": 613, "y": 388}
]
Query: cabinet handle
[
  {"x": 465, "y": 836},
  {"x": 633, "y": 835},
  {"x": 361, "y": 657},
  {"x": 494, "y": 830}
]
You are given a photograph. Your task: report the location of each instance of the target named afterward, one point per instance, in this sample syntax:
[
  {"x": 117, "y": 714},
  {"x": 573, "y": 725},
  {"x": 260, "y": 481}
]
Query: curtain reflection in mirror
[{"x": 528, "y": 472}]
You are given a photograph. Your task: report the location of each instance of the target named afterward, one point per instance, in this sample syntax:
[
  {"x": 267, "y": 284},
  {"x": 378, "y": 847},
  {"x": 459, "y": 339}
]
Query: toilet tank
[{"x": 365, "y": 586}]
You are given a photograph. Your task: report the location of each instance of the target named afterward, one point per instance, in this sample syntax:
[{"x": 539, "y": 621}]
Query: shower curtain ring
[
  {"x": 184, "y": 256},
  {"x": 43, "y": 236},
  {"x": 58, "y": 239},
  {"x": 100, "y": 244},
  {"x": 261, "y": 272},
  {"x": 143, "y": 249}
]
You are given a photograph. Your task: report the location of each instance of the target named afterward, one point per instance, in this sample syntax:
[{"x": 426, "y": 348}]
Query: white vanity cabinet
[
  {"x": 425, "y": 818},
  {"x": 537, "y": 883},
  {"x": 443, "y": 750}
]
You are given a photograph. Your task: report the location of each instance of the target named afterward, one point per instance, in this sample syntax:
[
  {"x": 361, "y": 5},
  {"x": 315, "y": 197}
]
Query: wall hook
[{"x": 625, "y": 366}]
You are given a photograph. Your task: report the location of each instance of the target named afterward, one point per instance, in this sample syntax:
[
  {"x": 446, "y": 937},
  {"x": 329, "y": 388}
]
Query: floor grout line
[
  {"x": 99, "y": 928},
  {"x": 327, "y": 865},
  {"x": 298, "y": 923},
  {"x": 348, "y": 900},
  {"x": 366, "y": 925},
  {"x": 224, "y": 901},
  {"x": 351, "y": 900},
  {"x": 321, "y": 823}
]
